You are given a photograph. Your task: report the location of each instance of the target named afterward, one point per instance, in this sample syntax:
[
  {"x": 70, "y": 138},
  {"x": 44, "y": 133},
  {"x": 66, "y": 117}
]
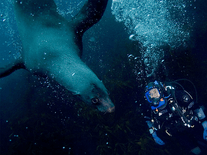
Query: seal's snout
[
  {"x": 105, "y": 105},
  {"x": 110, "y": 110}
]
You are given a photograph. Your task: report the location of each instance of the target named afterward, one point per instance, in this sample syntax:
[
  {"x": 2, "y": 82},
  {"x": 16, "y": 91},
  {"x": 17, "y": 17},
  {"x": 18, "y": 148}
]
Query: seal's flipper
[
  {"x": 5, "y": 71},
  {"x": 42, "y": 11},
  {"x": 36, "y": 7},
  {"x": 89, "y": 15}
]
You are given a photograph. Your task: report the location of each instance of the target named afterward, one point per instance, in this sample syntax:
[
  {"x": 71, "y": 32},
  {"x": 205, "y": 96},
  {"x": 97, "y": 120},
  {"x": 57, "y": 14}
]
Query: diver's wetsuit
[{"x": 175, "y": 113}]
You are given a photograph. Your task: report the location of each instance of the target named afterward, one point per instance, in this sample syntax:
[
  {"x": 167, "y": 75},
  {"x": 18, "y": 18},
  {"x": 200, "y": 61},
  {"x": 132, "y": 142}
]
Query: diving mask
[{"x": 153, "y": 96}]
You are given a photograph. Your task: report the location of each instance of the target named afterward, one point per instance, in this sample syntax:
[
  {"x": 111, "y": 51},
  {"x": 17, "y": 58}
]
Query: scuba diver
[{"x": 171, "y": 108}]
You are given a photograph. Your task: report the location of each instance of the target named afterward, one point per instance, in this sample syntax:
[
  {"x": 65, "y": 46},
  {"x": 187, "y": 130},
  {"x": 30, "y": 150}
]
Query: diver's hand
[
  {"x": 204, "y": 124},
  {"x": 157, "y": 139}
]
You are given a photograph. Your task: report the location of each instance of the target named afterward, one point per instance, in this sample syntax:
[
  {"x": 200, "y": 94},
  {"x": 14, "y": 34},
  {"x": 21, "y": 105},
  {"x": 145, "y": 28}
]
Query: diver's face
[{"x": 154, "y": 93}]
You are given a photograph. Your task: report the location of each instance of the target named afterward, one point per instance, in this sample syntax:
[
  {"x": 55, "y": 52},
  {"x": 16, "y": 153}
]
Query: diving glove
[{"x": 204, "y": 124}]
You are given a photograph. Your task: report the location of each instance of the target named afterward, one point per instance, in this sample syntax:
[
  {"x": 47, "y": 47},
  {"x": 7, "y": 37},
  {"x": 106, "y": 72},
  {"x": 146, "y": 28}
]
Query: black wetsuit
[{"x": 176, "y": 116}]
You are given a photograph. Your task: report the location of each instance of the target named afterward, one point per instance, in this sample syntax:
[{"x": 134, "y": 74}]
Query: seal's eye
[{"x": 95, "y": 101}]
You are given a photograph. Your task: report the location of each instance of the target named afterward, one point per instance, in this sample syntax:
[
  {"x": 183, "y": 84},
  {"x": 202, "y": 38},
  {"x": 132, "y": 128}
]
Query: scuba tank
[{"x": 186, "y": 115}]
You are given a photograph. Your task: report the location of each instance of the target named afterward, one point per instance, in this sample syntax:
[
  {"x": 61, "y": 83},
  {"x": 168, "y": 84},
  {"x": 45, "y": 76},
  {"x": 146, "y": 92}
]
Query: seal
[{"x": 52, "y": 47}]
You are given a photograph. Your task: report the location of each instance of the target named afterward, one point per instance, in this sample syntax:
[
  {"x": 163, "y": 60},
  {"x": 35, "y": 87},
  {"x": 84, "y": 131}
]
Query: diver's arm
[
  {"x": 200, "y": 113},
  {"x": 204, "y": 124},
  {"x": 152, "y": 131},
  {"x": 202, "y": 118}
]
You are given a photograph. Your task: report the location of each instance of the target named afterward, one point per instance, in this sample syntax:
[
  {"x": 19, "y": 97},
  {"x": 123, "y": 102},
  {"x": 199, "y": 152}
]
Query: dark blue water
[{"x": 35, "y": 119}]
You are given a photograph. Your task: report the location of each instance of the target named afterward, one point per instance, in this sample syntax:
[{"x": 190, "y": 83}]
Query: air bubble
[{"x": 152, "y": 24}]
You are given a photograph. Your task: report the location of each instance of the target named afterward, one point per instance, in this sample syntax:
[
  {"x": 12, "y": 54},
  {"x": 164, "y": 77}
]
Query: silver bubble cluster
[{"x": 154, "y": 24}]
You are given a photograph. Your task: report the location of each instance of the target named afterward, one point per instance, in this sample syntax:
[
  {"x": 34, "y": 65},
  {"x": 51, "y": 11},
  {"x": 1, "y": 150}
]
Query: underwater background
[{"x": 39, "y": 119}]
